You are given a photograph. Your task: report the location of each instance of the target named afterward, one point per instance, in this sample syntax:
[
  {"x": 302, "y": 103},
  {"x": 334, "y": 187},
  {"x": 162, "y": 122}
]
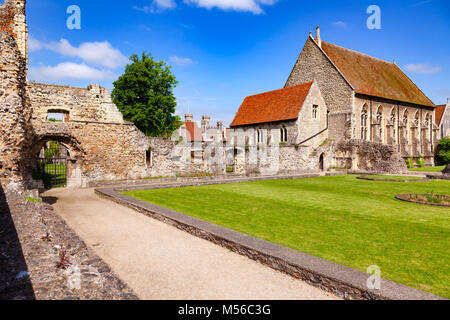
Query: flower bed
[{"x": 428, "y": 199}]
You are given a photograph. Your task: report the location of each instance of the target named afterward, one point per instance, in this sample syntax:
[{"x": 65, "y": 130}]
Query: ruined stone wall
[
  {"x": 362, "y": 155},
  {"x": 13, "y": 21},
  {"x": 14, "y": 115},
  {"x": 83, "y": 104},
  {"x": 313, "y": 64}
]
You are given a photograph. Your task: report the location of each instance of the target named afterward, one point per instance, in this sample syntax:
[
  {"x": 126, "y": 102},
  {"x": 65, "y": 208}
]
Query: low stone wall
[
  {"x": 339, "y": 280},
  {"x": 32, "y": 235}
]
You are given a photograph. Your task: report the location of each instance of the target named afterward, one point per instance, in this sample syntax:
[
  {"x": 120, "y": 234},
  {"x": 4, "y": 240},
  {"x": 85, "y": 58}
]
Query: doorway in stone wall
[
  {"x": 52, "y": 165},
  {"x": 322, "y": 162}
]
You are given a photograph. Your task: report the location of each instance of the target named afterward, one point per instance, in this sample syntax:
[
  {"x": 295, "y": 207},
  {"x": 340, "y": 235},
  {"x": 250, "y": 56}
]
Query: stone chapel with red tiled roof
[{"x": 363, "y": 98}]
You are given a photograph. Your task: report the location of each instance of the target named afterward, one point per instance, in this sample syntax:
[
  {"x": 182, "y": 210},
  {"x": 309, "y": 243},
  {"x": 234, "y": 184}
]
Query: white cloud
[
  {"x": 34, "y": 44},
  {"x": 182, "y": 61},
  {"x": 421, "y": 3},
  {"x": 96, "y": 53},
  {"x": 253, "y": 6},
  {"x": 340, "y": 24},
  {"x": 423, "y": 68},
  {"x": 157, "y": 6},
  {"x": 69, "y": 70}
]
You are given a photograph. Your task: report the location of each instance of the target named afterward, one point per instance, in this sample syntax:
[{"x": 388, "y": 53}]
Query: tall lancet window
[
  {"x": 406, "y": 124},
  {"x": 393, "y": 119},
  {"x": 364, "y": 123},
  {"x": 380, "y": 122}
]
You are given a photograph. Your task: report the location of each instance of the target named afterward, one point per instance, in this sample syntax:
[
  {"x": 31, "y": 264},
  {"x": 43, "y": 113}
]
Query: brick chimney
[
  {"x": 188, "y": 117},
  {"x": 318, "y": 39}
]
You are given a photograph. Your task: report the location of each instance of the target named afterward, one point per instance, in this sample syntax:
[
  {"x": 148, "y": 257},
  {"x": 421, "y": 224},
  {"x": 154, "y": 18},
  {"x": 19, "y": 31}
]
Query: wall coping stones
[
  {"x": 334, "y": 278},
  {"x": 219, "y": 179}
]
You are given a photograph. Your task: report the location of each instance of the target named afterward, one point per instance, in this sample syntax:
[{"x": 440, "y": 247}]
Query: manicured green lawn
[
  {"x": 428, "y": 169},
  {"x": 356, "y": 223},
  {"x": 386, "y": 177}
]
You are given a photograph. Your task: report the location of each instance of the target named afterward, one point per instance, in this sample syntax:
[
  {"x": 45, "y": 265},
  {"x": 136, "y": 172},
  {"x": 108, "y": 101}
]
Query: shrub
[
  {"x": 326, "y": 142},
  {"x": 230, "y": 169},
  {"x": 420, "y": 162},
  {"x": 296, "y": 146},
  {"x": 442, "y": 157},
  {"x": 282, "y": 144},
  {"x": 409, "y": 163}
]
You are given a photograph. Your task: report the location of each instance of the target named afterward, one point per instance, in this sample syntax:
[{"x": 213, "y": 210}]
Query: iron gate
[{"x": 52, "y": 165}]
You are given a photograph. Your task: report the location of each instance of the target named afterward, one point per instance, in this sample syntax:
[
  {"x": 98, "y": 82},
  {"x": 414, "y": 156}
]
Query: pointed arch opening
[{"x": 364, "y": 117}]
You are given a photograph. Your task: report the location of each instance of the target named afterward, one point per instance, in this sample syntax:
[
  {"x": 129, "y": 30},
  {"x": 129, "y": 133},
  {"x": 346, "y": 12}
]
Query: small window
[
  {"x": 260, "y": 136},
  {"x": 315, "y": 112},
  {"x": 57, "y": 116},
  {"x": 283, "y": 134},
  {"x": 148, "y": 158}
]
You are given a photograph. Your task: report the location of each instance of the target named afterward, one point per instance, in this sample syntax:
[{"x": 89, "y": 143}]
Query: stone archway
[
  {"x": 72, "y": 160},
  {"x": 322, "y": 162}
]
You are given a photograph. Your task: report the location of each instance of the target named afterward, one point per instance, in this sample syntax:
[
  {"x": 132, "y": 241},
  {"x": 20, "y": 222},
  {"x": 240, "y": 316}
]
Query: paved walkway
[{"x": 161, "y": 262}]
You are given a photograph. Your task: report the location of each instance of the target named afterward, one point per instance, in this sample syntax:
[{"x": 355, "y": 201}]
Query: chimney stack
[
  {"x": 318, "y": 40},
  {"x": 205, "y": 123},
  {"x": 188, "y": 117}
]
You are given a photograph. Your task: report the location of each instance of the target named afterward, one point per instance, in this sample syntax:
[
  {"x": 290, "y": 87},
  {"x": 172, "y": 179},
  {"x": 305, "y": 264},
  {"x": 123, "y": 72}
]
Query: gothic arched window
[
  {"x": 417, "y": 119},
  {"x": 406, "y": 117},
  {"x": 380, "y": 114},
  {"x": 393, "y": 117},
  {"x": 364, "y": 123}
]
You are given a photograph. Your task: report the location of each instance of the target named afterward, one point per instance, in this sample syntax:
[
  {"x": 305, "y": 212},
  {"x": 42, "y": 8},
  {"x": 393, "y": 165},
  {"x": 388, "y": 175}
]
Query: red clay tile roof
[
  {"x": 278, "y": 105},
  {"x": 439, "y": 113},
  {"x": 374, "y": 77},
  {"x": 193, "y": 133}
]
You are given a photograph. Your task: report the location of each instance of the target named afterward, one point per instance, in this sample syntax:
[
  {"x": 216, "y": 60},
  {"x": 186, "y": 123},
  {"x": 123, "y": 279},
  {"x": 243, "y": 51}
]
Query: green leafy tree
[
  {"x": 443, "y": 152},
  {"x": 144, "y": 95}
]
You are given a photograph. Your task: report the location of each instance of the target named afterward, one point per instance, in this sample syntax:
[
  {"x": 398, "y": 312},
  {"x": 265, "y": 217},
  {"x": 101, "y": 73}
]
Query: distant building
[
  {"x": 189, "y": 131},
  {"x": 292, "y": 115},
  {"x": 443, "y": 119}
]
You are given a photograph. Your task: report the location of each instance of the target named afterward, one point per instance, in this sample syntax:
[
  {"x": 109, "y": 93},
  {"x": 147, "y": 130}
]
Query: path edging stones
[
  {"x": 367, "y": 177},
  {"x": 334, "y": 278}
]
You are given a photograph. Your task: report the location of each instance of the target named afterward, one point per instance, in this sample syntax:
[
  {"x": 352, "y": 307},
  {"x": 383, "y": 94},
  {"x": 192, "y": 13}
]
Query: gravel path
[{"x": 158, "y": 261}]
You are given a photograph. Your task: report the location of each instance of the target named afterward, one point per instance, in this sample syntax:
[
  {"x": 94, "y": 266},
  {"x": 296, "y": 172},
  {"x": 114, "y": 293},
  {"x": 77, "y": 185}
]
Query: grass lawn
[
  {"x": 386, "y": 177},
  {"x": 356, "y": 223},
  {"x": 428, "y": 169}
]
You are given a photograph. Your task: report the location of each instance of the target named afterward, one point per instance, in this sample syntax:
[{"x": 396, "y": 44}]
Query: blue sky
[{"x": 224, "y": 50}]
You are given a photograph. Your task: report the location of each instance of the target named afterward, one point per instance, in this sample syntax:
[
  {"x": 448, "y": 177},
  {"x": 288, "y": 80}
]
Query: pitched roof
[
  {"x": 375, "y": 77},
  {"x": 279, "y": 105},
  {"x": 439, "y": 113},
  {"x": 193, "y": 133}
]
